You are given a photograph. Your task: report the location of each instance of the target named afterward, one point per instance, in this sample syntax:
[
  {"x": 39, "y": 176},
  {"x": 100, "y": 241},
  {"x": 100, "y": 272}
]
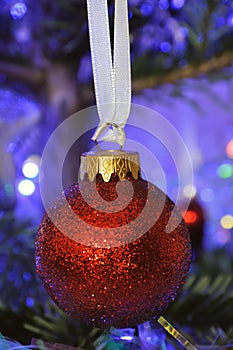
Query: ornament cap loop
[{"x": 109, "y": 162}]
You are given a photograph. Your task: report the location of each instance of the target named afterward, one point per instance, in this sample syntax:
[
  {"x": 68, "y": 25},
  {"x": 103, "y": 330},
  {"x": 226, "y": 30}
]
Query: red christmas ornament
[{"x": 113, "y": 284}]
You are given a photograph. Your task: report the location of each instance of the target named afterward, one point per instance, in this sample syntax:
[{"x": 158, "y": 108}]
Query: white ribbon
[{"x": 112, "y": 77}]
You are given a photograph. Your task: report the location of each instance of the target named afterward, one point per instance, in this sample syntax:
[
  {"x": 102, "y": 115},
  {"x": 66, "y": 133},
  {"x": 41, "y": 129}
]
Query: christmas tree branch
[
  {"x": 27, "y": 74},
  {"x": 36, "y": 77},
  {"x": 190, "y": 71}
]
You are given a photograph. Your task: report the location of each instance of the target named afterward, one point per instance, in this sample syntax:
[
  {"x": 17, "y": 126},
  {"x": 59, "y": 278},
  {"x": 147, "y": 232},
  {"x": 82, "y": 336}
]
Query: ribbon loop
[
  {"x": 112, "y": 73},
  {"x": 110, "y": 132}
]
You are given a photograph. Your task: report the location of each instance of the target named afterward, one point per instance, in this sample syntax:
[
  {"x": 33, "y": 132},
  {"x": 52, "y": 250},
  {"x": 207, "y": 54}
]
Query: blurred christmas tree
[
  {"x": 44, "y": 54},
  {"x": 169, "y": 40}
]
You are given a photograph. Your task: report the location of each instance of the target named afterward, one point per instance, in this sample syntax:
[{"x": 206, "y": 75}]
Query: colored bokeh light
[
  {"x": 177, "y": 4},
  {"x": 30, "y": 302},
  {"x": 184, "y": 31},
  {"x": 227, "y": 222},
  {"x": 165, "y": 47},
  {"x": 163, "y": 4},
  {"x": 18, "y": 10},
  {"x": 229, "y": 149},
  {"x": 189, "y": 191},
  {"x": 30, "y": 170},
  {"x": 26, "y": 187},
  {"x": 190, "y": 217},
  {"x": 9, "y": 189},
  {"x": 207, "y": 195},
  {"x": 146, "y": 9},
  {"x": 225, "y": 171},
  {"x": 230, "y": 20},
  {"x": 222, "y": 237},
  {"x": 30, "y": 167},
  {"x": 127, "y": 337}
]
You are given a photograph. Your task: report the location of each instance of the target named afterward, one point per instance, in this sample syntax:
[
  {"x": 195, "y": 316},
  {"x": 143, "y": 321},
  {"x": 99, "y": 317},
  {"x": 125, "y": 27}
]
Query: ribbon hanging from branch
[{"x": 112, "y": 73}]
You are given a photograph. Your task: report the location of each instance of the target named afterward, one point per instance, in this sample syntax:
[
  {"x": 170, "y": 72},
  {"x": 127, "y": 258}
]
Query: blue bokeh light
[
  {"x": 27, "y": 276},
  {"x": 230, "y": 20},
  {"x": 184, "y": 31},
  {"x": 18, "y": 10},
  {"x": 146, "y": 9},
  {"x": 163, "y": 4},
  {"x": 178, "y": 4},
  {"x": 30, "y": 302},
  {"x": 207, "y": 195},
  {"x": 165, "y": 47},
  {"x": 220, "y": 21}
]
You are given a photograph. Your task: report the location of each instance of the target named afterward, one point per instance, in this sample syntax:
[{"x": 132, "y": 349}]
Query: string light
[
  {"x": 126, "y": 337},
  {"x": 30, "y": 167},
  {"x": 229, "y": 149},
  {"x": 30, "y": 302},
  {"x": 163, "y": 4},
  {"x": 225, "y": 171},
  {"x": 18, "y": 10},
  {"x": 177, "y": 4},
  {"x": 223, "y": 236},
  {"x": 190, "y": 217},
  {"x": 230, "y": 20},
  {"x": 147, "y": 9},
  {"x": 189, "y": 191},
  {"x": 26, "y": 187},
  {"x": 227, "y": 222},
  {"x": 30, "y": 170},
  {"x": 184, "y": 31},
  {"x": 165, "y": 46},
  {"x": 207, "y": 195}
]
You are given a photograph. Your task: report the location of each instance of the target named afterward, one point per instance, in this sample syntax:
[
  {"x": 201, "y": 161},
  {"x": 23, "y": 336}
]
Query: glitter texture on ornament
[{"x": 116, "y": 286}]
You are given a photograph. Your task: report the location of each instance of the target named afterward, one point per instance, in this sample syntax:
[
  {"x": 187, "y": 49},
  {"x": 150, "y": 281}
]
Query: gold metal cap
[{"x": 109, "y": 162}]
